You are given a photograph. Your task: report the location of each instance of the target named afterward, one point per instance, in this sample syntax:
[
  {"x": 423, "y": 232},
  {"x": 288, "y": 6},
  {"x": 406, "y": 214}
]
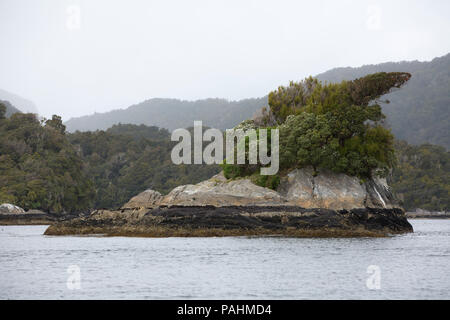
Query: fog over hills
[
  {"x": 173, "y": 113},
  {"x": 10, "y": 109},
  {"x": 22, "y": 104},
  {"x": 418, "y": 113}
]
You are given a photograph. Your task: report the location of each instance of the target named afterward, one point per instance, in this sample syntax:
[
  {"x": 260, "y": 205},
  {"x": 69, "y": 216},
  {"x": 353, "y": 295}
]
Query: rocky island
[
  {"x": 333, "y": 153},
  {"x": 304, "y": 205}
]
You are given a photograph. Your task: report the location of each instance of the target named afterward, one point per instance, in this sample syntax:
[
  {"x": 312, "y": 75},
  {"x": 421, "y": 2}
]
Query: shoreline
[
  {"x": 63, "y": 222},
  {"x": 31, "y": 219},
  {"x": 431, "y": 215}
]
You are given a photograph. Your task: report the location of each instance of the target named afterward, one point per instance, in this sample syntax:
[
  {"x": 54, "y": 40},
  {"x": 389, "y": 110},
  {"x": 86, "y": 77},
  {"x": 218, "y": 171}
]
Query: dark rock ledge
[{"x": 208, "y": 221}]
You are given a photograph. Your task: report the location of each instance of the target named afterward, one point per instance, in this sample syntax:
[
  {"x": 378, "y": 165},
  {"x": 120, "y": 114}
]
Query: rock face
[
  {"x": 299, "y": 188},
  {"x": 334, "y": 191},
  {"x": 146, "y": 199},
  {"x": 328, "y": 205},
  {"x": 219, "y": 192},
  {"x": 7, "y": 208}
]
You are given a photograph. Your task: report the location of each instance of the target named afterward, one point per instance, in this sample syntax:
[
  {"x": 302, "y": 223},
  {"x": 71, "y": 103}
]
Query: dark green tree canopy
[{"x": 307, "y": 139}]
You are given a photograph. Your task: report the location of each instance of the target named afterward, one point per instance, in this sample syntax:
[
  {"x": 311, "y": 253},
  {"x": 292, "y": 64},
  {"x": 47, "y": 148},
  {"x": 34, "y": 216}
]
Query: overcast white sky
[{"x": 122, "y": 52}]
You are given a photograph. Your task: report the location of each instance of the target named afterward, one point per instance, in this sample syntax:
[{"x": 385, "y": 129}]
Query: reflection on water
[{"x": 411, "y": 266}]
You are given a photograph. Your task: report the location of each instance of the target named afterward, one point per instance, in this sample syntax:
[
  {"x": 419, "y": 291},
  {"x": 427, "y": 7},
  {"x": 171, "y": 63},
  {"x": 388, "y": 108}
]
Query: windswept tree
[{"x": 312, "y": 95}]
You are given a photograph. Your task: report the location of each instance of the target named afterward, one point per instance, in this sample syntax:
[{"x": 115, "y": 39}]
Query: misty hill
[
  {"x": 420, "y": 111},
  {"x": 18, "y": 102},
  {"x": 10, "y": 109},
  {"x": 172, "y": 114}
]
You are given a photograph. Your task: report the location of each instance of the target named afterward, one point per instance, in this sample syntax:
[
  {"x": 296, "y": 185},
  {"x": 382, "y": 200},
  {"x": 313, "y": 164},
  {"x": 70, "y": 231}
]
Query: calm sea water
[{"x": 412, "y": 266}]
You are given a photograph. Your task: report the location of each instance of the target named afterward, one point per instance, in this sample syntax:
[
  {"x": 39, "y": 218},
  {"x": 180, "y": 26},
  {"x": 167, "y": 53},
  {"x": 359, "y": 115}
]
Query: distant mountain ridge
[
  {"x": 172, "y": 114},
  {"x": 419, "y": 113}
]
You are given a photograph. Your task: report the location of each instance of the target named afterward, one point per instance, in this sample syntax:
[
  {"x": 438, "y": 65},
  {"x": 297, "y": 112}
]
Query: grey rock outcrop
[
  {"x": 7, "y": 208},
  {"x": 35, "y": 211},
  {"x": 219, "y": 192},
  {"x": 299, "y": 188},
  {"x": 335, "y": 191}
]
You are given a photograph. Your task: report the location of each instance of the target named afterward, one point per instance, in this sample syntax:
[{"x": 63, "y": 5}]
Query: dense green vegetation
[
  {"x": 39, "y": 168},
  {"x": 421, "y": 177},
  {"x": 334, "y": 126}
]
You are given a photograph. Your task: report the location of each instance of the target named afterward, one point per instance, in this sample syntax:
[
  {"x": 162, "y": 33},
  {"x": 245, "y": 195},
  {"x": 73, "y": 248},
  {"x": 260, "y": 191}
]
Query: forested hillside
[
  {"x": 421, "y": 177},
  {"x": 127, "y": 159},
  {"x": 39, "y": 168},
  {"x": 43, "y": 167}
]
